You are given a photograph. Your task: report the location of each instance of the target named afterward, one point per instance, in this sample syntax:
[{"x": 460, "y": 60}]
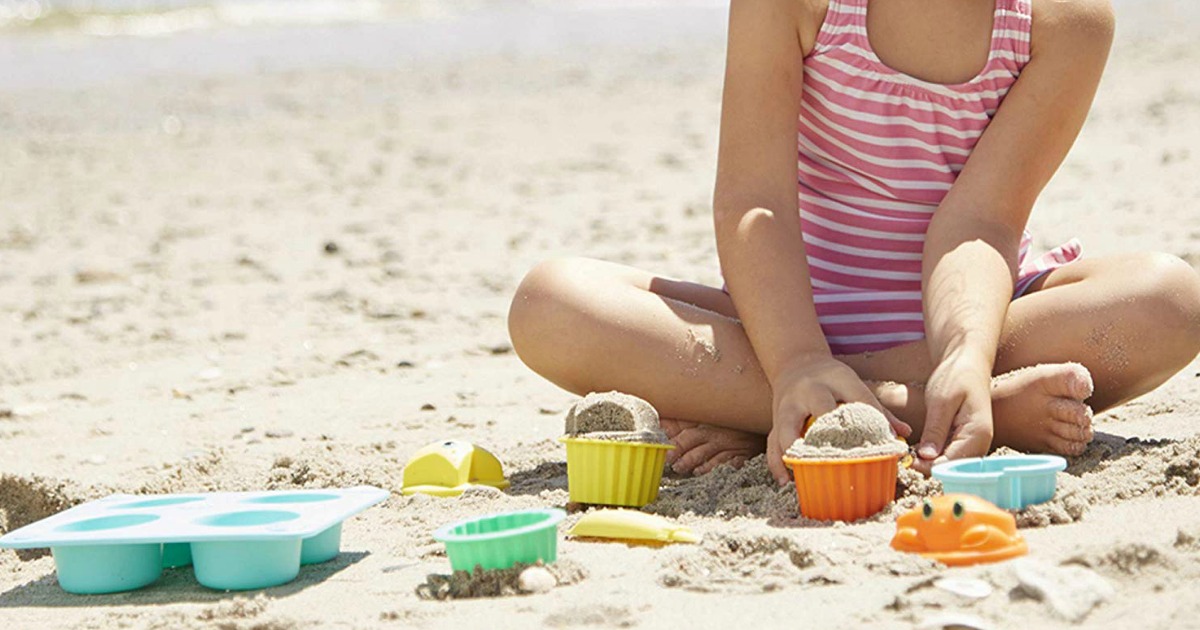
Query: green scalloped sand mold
[{"x": 233, "y": 540}]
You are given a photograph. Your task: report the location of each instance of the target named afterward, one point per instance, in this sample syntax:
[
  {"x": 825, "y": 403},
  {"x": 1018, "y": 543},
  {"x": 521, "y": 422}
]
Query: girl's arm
[
  {"x": 756, "y": 215},
  {"x": 970, "y": 258}
]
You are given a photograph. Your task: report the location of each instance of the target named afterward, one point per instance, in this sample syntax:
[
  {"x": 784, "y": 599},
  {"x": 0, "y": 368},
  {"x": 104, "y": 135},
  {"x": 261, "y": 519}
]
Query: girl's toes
[
  {"x": 1071, "y": 431},
  {"x": 674, "y": 427},
  {"x": 694, "y": 458},
  {"x": 735, "y": 459},
  {"x": 1062, "y": 446},
  {"x": 1078, "y": 381},
  {"x": 1068, "y": 411},
  {"x": 1068, "y": 380}
]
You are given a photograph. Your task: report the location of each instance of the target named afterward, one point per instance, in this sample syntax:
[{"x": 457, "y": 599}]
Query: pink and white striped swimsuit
[{"x": 878, "y": 150}]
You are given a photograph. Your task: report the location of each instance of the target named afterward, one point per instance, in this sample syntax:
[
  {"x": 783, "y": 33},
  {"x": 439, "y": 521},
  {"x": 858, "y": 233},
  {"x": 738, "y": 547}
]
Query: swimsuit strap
[
  {"x": 1011, "y": 28},
  {"x": 845, "y": 23}
]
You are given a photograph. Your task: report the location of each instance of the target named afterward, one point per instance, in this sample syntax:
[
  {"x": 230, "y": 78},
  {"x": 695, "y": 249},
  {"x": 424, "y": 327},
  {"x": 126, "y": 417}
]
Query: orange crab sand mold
[{"x": 959, "y": 529}]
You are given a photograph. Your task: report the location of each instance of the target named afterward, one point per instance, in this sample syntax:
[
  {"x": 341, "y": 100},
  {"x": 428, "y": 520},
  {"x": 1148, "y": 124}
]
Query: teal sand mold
[{"x": 233, "y": 540}]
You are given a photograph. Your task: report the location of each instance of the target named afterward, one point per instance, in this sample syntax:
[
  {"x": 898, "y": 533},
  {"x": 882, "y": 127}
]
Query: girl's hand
[
  {"x": 958, "y": 408},
  {"x": 810, "y": 387}
]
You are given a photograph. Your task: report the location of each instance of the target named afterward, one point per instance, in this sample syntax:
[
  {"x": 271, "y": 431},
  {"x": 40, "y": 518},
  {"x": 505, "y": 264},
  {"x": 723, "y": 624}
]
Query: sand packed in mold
[
  {"x": 850, "y": 431},
  {"x": 615, "y": 416}
]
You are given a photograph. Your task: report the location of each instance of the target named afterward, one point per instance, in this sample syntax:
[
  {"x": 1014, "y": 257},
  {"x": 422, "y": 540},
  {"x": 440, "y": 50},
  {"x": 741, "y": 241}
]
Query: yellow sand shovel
[
  {"x": 446, "y": 468},
  {"x": 631, "y": 526}
]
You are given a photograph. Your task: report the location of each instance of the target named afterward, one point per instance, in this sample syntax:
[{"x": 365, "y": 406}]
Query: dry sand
[{"x": 297, "y": 279}]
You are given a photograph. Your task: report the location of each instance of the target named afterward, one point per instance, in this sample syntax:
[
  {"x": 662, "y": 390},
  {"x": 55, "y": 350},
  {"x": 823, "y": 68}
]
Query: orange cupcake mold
[
  {"x": 959, "y": 529},
  {"x": 844, "y": 489}
]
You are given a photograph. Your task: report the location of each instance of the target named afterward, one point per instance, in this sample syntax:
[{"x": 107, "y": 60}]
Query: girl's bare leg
[{"x": 587, "y": 325}]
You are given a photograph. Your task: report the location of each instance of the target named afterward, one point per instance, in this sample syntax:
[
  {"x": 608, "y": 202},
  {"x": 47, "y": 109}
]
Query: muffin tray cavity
[{"x": 233, "y": 540}]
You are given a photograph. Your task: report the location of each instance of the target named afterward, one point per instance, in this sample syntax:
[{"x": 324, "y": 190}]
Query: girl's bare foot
[
  {"x": 1039, "y": 409},
  {"x": 700, "y": 447}
]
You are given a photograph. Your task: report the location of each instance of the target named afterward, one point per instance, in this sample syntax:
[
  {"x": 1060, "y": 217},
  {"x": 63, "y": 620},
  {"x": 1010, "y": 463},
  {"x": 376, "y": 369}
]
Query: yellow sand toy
[
  {"x": 446, "y": 468},
  {"x": 631, "y": 526}
]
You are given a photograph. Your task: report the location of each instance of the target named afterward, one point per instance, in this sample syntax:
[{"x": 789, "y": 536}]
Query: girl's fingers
[
  {"x": 820, "y": 405},
  {"x": 971, "y": 437},
  {"x": 939, "y": 420},
  {"x": 775, "y": 460},
  {"x": 923, "y": 466},
  {"x": 791, "y": 425}
]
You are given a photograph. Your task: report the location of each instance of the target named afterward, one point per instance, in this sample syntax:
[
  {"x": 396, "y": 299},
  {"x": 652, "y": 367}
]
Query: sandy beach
[{"x": 260, "y": 275}]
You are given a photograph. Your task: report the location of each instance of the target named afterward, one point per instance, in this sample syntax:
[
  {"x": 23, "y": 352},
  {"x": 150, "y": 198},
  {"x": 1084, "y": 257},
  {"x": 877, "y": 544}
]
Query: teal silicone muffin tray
[
  {"x": 233, "y": 540},
  {"x": 1012, "y": 482},
  {"x": 498, "y": 541}
]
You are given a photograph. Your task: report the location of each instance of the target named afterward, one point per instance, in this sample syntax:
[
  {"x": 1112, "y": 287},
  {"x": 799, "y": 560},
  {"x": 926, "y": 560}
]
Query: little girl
[{"x": 878, "y": 162}]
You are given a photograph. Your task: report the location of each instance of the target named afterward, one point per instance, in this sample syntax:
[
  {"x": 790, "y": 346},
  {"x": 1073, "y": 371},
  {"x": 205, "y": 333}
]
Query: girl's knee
[
  {"x": 548, "y": 298},
  {"x": 1172, "y": 294},
  {"x": 536, "y": 295},
  {"x": 550, "y": 284}
]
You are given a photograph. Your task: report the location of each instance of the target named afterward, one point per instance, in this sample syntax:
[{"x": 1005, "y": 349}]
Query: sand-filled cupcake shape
[
  {"x": 845, "y": 464},
  {"x": 616, "y": 450}
]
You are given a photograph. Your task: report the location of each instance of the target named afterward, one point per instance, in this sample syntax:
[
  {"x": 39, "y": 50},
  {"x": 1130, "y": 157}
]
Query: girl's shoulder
[
  {"x": 1067, "y": 24},
  {"x": 807, "y": 16}
]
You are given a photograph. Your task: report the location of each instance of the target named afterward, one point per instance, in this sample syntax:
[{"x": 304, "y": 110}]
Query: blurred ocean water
[
  {"x": 155, "y": 18},
  {"x": 164, "y": 17},
  {"x": 69, "y": 43}
]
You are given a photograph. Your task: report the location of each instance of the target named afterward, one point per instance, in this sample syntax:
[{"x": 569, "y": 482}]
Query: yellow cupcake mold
[{"x": 607, "y": 472}]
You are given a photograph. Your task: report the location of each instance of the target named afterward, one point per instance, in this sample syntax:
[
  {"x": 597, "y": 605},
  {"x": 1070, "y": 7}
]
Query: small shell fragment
[
  {"x": 966, "y": 587},
  {"x": 536, "y": 580}
]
